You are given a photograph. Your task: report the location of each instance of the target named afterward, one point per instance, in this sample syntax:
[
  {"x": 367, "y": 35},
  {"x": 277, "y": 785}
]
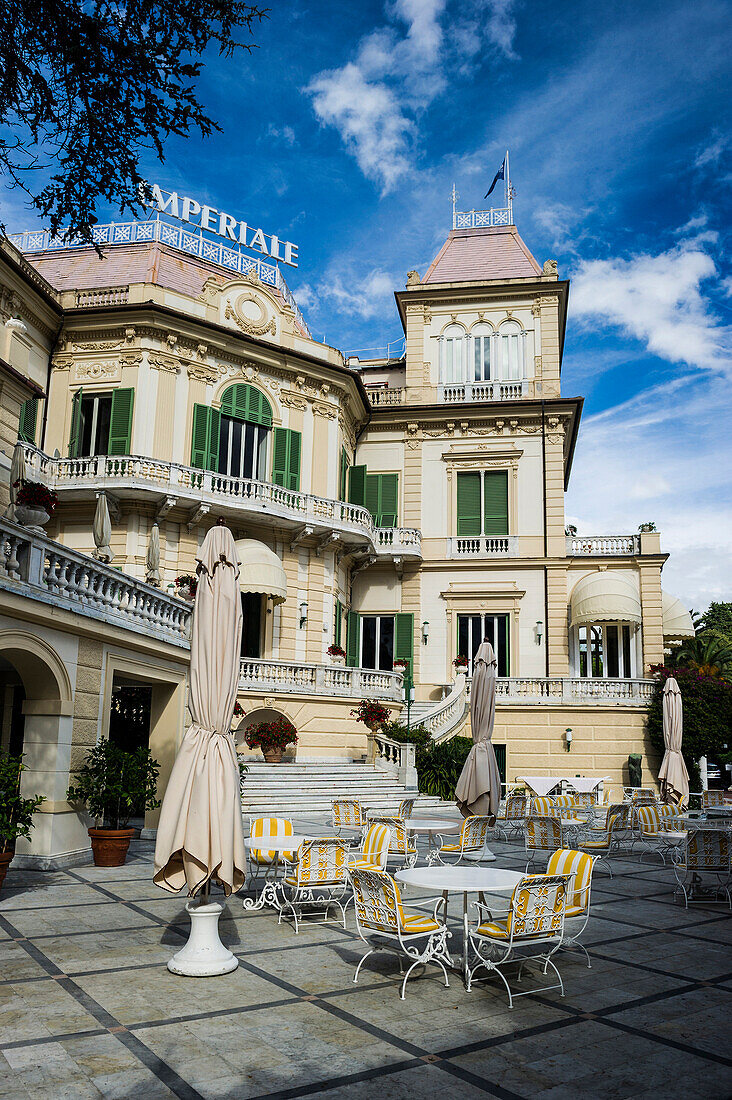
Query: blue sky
[{"x": 345, "y": 131}]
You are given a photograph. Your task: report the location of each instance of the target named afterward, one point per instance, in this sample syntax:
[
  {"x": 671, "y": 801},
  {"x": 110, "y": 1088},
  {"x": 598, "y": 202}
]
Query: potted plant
[
  {"x": 371, "y": 713},
  {"x": 238, "y": 711},
  {"x": 336, "y": 654},
  {"x": 34, "y": 503},
  {"x": 185, "y": 586},
  {"x": 16, "y": 813},
  {"x": 570, "y": 530},
  {"x": 400, "y": 665},
  {"x": 460, "y": 663},
  {"x": 272, "y": 738},
  {"x": 113, "y": 784},
  {"x": 646, "y": 528}
]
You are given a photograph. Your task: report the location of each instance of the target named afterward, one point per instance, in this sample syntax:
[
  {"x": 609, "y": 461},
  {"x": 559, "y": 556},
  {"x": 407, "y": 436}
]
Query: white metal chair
[
  {"x": 317, "y": 880},
  {"x": 473, "y": 836},
  {"x": 380, "y": 914},
  {"x": 510, "y": 819},
  {"x": 347, "y": 813},
  {"x": 401, "y": 850},
  {"x": 706, "y": 852},
  {"x": 543, "y": 806},
  {"x": 533, "y": 930},
  {"x": 375, "y": 851},
  {"x": 579, "y": 866},
  {"x": 605, "y": 840},
  {"x": 261, "y": 858},
  {"x": 406, "y": 807},
  {"x": 541, "y": 835},
  {"x": 713, "y": 799}
]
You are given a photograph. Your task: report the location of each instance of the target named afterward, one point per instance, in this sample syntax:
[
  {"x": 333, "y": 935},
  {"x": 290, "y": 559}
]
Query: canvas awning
[
  {"x": 605, "y": 596},
  {"x": 677, "y": 622},
  {"x": 260, "y": 570}
]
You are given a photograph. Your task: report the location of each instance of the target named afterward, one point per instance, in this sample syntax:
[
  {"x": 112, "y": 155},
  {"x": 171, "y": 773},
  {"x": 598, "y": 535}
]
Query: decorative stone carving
[
  {"x": 129, "y": 335},
  {"x": 413, "y": 278},
  {"x": 96, "y": 372},
  {"x": 293, "y": 400},
  {"x": 320, "y": 408},
  {"x": 537, "y": 364},
  {"x": 130, "y": 359},
  {"x": 202, "y": 372},
  {"x": 427, "y": 313},
  {"x": 549, "y": 268},
  {"x": 259, "y": 326},
  {"x": 164, "y": 362},
  {"x": 536, "y": 307}
]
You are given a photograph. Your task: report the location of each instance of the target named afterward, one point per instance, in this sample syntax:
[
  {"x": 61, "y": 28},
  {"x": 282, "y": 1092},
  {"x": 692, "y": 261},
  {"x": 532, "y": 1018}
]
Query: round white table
[
  {"x": 431, "y": 825},
  {"x": 462, "y": 880}
]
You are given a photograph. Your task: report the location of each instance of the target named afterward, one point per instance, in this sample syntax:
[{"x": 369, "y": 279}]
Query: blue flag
[{"x": 500, "y": 175}]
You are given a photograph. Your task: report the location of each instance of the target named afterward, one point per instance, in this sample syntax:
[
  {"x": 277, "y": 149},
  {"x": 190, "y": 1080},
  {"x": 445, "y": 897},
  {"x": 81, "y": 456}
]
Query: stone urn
[
  {"x": 5, "y": 860},
  {"x": 32, "y": 518},
  {"x": 273, "y": 756},
  {"x": 337, "y": 659}
]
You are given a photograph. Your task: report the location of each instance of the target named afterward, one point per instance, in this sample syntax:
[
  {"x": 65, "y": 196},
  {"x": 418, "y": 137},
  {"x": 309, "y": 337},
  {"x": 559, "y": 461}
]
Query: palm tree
[{"x": 707, "y": 653}]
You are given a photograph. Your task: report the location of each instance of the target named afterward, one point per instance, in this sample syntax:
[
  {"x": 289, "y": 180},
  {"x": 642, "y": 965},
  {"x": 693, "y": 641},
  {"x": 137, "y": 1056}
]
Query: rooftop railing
[{"x": 602, "y": 545}]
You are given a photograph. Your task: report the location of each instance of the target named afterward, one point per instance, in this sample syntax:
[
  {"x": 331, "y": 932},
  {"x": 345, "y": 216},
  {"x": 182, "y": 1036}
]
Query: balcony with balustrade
[
  {"x": 196, "y": 492},
  {"x": 603, "y": 546}
]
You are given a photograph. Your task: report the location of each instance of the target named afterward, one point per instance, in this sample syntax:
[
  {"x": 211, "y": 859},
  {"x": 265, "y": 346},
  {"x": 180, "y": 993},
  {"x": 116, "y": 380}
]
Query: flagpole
[{"x": 507, "y": 182}]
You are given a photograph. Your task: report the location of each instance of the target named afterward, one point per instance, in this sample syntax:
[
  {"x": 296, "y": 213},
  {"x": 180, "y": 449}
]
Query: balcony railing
[
  {"x": 303, "y": 678},
  {"x": 570, "y": 690},
  {"x": 482, "y": 546},
  {"x": 602, "y": 545},
  {"x": 459, "y": 392},
  {"x": 385, "y": 396},
  {"x": 34, "y": 565},
  {"x": 173, "y": 483}
]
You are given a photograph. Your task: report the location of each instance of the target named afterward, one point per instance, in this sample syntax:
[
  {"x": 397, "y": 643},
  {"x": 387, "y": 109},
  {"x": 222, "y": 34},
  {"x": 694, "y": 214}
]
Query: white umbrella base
[
  {"x": 204, "y": 956},
  {"x": 485, "y": 856}
]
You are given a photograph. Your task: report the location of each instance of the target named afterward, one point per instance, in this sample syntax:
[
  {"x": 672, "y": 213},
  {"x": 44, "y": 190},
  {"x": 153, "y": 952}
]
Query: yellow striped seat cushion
[
  {"x": 496, "y": 930},
  {"x": 363, "y": 865},
  {"x": 595, "y": 843},
  {"x": 575, "y": 911},
  {"x": 450, "y": 848},
  {"x": 412, "y": 923}
]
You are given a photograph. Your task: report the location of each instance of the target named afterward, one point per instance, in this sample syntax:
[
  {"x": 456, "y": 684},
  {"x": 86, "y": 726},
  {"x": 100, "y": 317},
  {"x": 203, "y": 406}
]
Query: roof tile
[{"x": 474, "y": 255}]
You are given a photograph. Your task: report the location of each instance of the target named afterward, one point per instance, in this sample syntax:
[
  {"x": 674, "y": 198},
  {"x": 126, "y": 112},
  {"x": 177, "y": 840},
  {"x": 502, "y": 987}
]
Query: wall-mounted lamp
[
  {"x": 425, "y": 632},
  {"x": 568, "y": 738},
  {"x": 303, "y": 614},
  {"x": 538, "y": 631}
]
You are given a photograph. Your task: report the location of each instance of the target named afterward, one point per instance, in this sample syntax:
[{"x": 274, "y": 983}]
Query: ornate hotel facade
[{"x": 402, "y": 508}]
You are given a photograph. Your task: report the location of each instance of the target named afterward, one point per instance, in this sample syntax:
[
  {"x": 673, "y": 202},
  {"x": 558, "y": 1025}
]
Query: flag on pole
[{"x": 500, "y": 175}]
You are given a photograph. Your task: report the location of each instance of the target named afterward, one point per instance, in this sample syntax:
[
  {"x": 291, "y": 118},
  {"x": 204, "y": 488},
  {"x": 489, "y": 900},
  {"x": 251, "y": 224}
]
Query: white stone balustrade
[
  {"x": 396, "y": 758},
  {"x": 459, "y": 392},
  {"x": 303, "y": 678},
  {"x": 602, "y": 545},
  {"x": 482, "y": 546},
  {"x": 568, "y": 689},
  {"x": 170, "y": 481},
  {"x": 34, "y": 565},
  {"x": 385, "y": 395}
]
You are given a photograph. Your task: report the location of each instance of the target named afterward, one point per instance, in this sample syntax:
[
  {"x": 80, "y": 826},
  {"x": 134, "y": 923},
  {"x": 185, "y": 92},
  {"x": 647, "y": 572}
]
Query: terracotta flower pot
[
  {"x": 110, "y": 846},
  {"x": 273, "y": 756},
  {"x": 5, "y": 858}
]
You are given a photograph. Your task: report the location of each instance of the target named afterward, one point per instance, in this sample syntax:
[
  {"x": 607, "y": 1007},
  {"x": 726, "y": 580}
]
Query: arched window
[
  {"x": 452, "y": 365},
  {"x": 246, "y": 418},
  {"x": 511, "y": 340},
  {"x": 481, "y": 335}
]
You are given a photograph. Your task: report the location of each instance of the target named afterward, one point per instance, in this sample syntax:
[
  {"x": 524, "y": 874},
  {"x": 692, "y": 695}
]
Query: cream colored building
[{"x": 403, "y": 508}]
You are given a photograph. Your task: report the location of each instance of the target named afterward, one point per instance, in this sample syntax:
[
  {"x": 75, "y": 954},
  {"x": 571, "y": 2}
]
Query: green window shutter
[
  {"x": 404, "y": 638},
  {"x": 246, "y": 403},
  {"x": 28, "y": 418},
  {"x": 286, "y": 453},
  {"x": 372, "y": 494},
  {"x": 214, "y": 439},
  {"x": 337, "y": 625},
  {"x": 353, "y": 631},
  {"x": 199, "y": 437},
  {"x": 120, "y": 422},
  {"x": 75, "y": 437},
  {"x": 495, "y": 487},
  {"x": 468, "y": 504},
  {"x": 389, "y": 500},
  {"x": 343, "y": 475},
  {"x": 357, "y": 485}
]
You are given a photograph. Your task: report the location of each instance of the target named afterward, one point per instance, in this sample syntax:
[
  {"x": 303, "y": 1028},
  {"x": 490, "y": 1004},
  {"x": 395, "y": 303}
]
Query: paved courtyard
[{"x": 88, "y": 1009}]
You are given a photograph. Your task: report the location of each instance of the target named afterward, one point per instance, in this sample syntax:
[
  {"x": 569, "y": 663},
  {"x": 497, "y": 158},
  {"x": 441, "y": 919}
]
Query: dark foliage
[
  {"x": 86, "y": 89},
  {"x": 707, "y": 707},
  {"x": 113, "y": 784},
  {"x": 438, "y": 763},
  {"x": 16, "y": 813}
]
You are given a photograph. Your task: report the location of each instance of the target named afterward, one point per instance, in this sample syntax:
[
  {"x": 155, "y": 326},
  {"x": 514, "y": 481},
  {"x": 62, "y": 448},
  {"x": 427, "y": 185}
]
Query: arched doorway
[{"x": 261, "y": 714}]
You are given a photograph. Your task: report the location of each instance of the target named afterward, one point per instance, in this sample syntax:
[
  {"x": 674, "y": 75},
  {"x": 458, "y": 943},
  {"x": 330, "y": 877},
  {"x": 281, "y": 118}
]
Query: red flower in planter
[
  {"x": 277, "y": 734},
  {"x": 32, "y": 494},
  {"x": 371, "y": 713},
  {"x": 335, "y": 651}
]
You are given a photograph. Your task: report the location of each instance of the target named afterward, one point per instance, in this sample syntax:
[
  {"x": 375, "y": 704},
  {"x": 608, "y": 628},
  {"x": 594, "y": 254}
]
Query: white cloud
[
  {"x": 282, "y": 133},
  {"x": 657, "y": 300},
  {"x": 398, "y": 70},
  {"x": 712, "y": 152},
  {"x": 363, "y": 296}
]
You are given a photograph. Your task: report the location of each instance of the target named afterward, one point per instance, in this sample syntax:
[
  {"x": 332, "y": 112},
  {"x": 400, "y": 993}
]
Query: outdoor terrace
[{"x": 90, "y": 1011}]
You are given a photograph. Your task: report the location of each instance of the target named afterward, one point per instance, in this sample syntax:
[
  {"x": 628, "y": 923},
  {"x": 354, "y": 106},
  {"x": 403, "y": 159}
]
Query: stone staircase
[{"x": 297, "y": 790}]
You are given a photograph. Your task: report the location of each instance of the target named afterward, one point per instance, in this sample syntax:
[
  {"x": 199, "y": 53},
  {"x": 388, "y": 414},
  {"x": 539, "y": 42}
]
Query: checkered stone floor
[{"x": 88, "y": 1009}]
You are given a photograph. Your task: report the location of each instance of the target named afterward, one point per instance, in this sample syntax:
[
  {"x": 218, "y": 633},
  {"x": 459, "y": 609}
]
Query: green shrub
[
  {"x": 415, "y": 735},
  {"x": 439, "y": 765},
  {"x": 16, "y": 813},
  {"x": 114, "y": 784}
]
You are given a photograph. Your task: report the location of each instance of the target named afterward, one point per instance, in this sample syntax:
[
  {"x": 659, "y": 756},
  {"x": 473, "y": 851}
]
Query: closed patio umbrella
[
  {"x": 17, "y": 473},
  {"x": 478, "y": 790},
  {"x": 672, "y": 775},
  {"x": 152, "y": 572},
  {"x": 102, "y": 530},
  {"x": 200, "y": 835}
]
